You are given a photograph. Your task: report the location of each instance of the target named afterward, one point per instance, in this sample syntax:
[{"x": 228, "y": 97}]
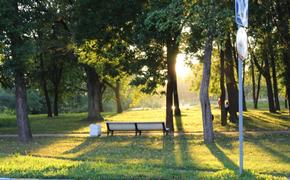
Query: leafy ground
[
  {"x": 189, "y": 122},
  {"x": 267, "y": 156}
]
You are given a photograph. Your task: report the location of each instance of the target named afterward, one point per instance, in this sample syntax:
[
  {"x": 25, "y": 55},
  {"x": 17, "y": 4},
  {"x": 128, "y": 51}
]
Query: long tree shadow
[
  {"x": 222, "y": 157},
  {"x": 276, "y": 153},
  {"x": 179, "y": 146},
  {"x": 265, "y": 121}
]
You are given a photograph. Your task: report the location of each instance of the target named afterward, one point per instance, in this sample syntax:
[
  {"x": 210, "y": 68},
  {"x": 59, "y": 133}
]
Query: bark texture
[
  {"x": 43, "y": 84},
  {"x": 118, "y": 97},
  {"x": 94, "y": 93},
  {"x": 274, "y": 75},
  {"x": 208, "y": 134},
  {"x": 223, "y": 89},
  {"x": 172, "y": 50},
  {"x": 24, "y": 131},
  {"x": 267, "y": 77}
]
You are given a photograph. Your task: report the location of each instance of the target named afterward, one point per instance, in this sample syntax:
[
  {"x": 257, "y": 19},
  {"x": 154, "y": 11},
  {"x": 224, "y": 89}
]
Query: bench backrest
[
  {"x": 135, "y": 126},
  {"x": 121, "y": 126},
  {"x": 150, "y": 126}
]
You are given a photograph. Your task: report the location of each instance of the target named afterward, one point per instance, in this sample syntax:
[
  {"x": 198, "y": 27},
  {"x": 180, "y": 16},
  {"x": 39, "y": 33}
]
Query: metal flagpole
[
  {"x": 241, "y": 10},
  {"x": 241, "y": 138}
]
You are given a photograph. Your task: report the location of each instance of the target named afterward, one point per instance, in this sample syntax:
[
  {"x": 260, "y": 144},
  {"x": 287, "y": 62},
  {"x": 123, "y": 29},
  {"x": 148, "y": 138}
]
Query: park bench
[{"x": 138, "y": 127}]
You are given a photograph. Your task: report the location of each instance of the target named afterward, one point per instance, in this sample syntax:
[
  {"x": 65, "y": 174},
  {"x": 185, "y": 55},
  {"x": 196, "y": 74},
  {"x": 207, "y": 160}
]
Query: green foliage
[
  {"x": 35, "y": 102},
  {"x": 164, "y": 19},
  {"x": 158, "y": 28},
  {"x": 7, "y": 100}
]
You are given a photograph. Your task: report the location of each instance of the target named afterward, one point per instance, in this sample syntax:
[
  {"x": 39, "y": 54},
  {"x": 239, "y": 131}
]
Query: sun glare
[{"x": 181, "y": 69}]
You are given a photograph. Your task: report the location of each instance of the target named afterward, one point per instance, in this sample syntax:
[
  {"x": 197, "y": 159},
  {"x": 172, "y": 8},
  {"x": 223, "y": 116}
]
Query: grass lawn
[
  {"x": 190, "y": 121},
  {"x": 267, "y": 156},
  {"x": 145, "y": 157}
]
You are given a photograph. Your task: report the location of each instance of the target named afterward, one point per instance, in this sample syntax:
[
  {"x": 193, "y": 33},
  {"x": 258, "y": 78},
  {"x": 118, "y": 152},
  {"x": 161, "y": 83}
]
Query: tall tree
[
  {"x": 116, "y": 89},
  {"x": 15, "y": 26},
  {"x": 94, "y": 94},
  {"x": 280, "y": 17},
  {"x": 204, "y": 11},
  {"x": 161, "y": 26},
  {"x": 104, "y": 30}
]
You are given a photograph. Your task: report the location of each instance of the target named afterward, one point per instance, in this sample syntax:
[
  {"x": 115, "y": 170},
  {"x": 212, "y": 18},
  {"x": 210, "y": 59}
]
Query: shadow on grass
[
  {"x": 221, "y": 156},
  {"x": 130, "y": 157},
  {"x": 255, "y": 120},
  {"x": 269, "y": 145},
  {"x": 281, "y": 116}
]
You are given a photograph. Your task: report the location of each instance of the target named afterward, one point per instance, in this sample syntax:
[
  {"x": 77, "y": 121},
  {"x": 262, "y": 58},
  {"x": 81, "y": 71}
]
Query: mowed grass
[
  {"x": 190, "y": 121},
  {"x": 151, "y": 156},
  {"x": 146, "y": 157}
]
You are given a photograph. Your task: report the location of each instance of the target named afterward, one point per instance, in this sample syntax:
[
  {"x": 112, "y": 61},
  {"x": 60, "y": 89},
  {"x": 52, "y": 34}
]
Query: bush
[{"x": 7, "y": 100}]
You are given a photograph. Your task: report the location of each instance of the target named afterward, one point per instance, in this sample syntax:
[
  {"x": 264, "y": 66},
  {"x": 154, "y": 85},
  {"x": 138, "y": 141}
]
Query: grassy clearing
[
  {"x": 145, "y": 157},
  {"x": 190, "y": 121}
]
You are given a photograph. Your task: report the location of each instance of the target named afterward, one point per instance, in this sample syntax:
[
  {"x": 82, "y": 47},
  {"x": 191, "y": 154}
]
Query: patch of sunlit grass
[
  {"x": 145, "y": 157},
  {"x": 190, "y": 121}
]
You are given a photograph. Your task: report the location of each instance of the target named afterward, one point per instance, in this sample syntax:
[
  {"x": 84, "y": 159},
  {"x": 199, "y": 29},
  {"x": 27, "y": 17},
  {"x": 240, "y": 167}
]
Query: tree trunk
[
  {"x": 261, "y": 70},
  {"x": 171, "y": 56},
  {"x": 231, "y": 83},
  {"x": 204, "y": 97},
  {"x": 223, "y": 90},
  {"x": 103, "y": 88},
  {"x": 253, "y": 82},
  {"x": 24, "y": 131},
  {"x": 43, "y": 83},
  {"x": 267, "y": 77},
  {"x": 55, "y": 102},
  {"x": 174, "y": 51},
  {"x": 258, "y": 91},
  {"x": 177, "y": 111},
  {"x": 282, "y": 10},
  {"x": 287, "y": 72},
  {"x": 118, "y": 97},
  {"x": 274, "y": 76},
  {"x": 270, "y": 95},
  {"x": 169, "y": 114},
  {"x": 93, "y": 85},
  {"x": 56, "y": 79}
]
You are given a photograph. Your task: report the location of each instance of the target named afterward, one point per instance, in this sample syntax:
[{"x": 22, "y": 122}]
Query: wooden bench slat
[
  {"x": 143, "y": 126},
  {"x": 136, "y": 126},
  {"x": 123, "y": 127}
]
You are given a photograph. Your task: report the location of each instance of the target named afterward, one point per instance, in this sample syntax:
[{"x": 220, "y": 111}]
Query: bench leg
[
  {"x": 139, "y": 133},
  {"x": 136, "y": 132},
  {"x": 108, "y": 133},
  {"x": 112, "y": 133}
]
